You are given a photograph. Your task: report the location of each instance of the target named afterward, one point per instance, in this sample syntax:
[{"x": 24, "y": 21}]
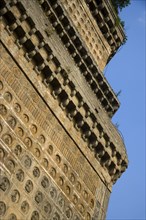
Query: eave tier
[
  {"x": 108, "y": 22},
  {"x": 82, "y": 57}
]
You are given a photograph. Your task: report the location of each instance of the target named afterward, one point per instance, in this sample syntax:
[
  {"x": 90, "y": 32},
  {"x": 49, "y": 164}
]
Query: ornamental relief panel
[{"x": 28, "y": 172}]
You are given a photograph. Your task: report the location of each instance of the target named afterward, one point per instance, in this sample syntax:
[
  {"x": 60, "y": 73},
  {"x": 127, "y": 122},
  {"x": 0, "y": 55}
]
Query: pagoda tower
[{"x": 60, "y": 153}]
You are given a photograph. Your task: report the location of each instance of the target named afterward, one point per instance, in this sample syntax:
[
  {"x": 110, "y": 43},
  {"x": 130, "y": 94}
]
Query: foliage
[
  {"x": 120, "y": 4},
  {"x": 118, "y": 93}
]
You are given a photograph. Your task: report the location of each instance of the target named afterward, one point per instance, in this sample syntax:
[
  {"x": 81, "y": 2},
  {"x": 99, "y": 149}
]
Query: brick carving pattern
[{"x": 31, "y": 181}]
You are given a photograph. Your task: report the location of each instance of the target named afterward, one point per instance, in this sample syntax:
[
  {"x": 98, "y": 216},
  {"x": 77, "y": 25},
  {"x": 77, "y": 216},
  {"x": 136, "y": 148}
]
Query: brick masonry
[{"x": 60, "y": 154}]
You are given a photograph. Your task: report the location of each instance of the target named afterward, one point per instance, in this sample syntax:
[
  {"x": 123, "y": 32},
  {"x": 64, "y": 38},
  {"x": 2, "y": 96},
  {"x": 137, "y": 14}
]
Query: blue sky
[{"x": 126, "y": 72}]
